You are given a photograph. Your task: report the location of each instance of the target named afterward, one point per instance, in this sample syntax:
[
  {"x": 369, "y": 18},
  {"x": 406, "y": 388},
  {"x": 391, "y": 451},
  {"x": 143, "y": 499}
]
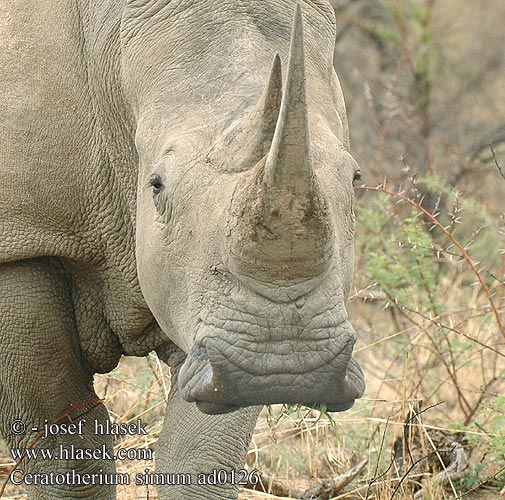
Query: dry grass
[
  {"x": 432, "y": 347},
  {"x": 300, "y": 447}
]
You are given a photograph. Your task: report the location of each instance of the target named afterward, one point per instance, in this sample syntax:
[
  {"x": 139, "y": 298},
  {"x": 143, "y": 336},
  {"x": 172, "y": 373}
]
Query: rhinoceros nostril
[{"x": 300, "y": 302}]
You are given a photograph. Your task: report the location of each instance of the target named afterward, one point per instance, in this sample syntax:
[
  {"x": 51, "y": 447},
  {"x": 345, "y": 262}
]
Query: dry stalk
[{"x": 498, "y": 166}]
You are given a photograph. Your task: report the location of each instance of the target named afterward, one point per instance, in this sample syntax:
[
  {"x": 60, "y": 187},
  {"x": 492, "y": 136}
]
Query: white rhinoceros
[{"x": 165, "y": 186}]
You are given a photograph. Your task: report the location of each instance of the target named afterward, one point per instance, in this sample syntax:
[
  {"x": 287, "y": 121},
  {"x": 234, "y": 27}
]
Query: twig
[
  {"x": 502, "y": 282},
  {"x": 376, "y": 478},
  {"x": 407, "y": 474},
  {"x": 269, "y": 484},
  {"x": 482, "y": 483},
  {"x": 330, "y": 488},
  {"x": 496, "y": 161},
  {"x": 435, "y": 321},
  {"x": 453, "y": 240},
  {"x": 323, "y": 491}
]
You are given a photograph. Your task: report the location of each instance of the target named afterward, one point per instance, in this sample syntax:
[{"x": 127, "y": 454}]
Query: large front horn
[
  {"x": 289, "y": 162},
  {"x": 280, "y": 229}
]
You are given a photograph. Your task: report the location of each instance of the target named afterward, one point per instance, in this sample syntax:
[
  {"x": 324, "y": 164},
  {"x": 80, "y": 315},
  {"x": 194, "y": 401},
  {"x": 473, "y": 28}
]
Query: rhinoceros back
[{"x": 44, "y": 130}]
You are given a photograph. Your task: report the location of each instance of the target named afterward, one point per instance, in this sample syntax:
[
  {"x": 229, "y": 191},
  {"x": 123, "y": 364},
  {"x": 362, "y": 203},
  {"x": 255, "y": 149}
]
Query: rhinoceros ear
[{"x": 247, "y": 142}]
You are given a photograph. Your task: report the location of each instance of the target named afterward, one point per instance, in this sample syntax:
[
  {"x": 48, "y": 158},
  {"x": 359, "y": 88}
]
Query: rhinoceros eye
[
  {"x": 157, "y": 184},
  {"x": 357, "y": 176}
]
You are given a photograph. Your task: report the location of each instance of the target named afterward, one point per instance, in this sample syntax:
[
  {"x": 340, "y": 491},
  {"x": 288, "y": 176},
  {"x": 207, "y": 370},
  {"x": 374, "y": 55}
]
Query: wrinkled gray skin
[{"x": 167, "y": 182}]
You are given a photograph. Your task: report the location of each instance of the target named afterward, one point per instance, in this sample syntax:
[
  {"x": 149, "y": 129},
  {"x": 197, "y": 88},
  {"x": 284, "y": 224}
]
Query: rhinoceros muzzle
[{"x": 221, "y": 377}]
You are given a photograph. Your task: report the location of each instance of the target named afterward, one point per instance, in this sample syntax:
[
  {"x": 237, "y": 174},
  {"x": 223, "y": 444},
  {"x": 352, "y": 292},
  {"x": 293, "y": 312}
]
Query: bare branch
[
  {"x": 323, "y": 491},
  {"x": 496, "y": 161},
  {"x": 330, "y": 488},
  {"x": 269, "y": 484}
]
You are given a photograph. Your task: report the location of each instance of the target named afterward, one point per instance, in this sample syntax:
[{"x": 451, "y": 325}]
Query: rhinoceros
[{"x": 174, "y": 176}]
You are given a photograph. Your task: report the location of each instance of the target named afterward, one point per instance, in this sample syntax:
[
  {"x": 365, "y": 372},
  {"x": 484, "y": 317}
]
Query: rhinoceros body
[{"x": 174, "y": 176}]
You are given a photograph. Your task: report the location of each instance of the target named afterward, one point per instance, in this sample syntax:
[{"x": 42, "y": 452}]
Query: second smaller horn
[{"x": 248, "y": 141}]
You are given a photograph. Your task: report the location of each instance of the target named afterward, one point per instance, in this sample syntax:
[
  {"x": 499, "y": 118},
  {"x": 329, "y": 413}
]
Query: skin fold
[{"x": 174, "y": 176}]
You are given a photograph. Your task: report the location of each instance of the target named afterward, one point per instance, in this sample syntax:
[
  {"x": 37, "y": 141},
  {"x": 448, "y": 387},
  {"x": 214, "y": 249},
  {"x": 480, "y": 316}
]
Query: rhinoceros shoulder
[{"x": 46, "y": 131}]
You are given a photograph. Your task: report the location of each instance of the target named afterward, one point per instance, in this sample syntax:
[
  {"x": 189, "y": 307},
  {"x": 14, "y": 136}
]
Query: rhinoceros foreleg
[
  {"x": 194, "y": 443},
  {"x": 44, "y": 380}
]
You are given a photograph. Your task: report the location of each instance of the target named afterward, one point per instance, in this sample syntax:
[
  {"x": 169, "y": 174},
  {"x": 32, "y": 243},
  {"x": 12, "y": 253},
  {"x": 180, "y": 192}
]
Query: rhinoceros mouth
[
  {"x": 222, "y": 408},
  {"x": 220, "y": 376}
]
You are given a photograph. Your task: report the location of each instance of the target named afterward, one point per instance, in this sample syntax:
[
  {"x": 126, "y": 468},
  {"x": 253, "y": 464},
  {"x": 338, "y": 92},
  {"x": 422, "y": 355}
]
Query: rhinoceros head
[{"x": 245, "y": 223}]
